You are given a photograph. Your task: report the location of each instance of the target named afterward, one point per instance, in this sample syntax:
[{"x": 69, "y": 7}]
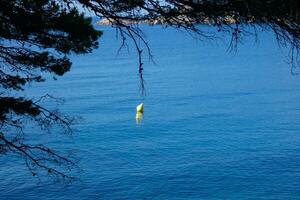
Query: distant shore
[{"x": 157, "y": 21}]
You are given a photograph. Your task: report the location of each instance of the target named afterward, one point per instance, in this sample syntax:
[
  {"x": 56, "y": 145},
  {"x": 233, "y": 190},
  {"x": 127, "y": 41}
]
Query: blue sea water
[{"x": 217, "y": 125}]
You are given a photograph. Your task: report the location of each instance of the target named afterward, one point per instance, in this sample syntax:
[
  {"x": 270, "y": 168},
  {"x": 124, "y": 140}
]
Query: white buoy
[
  {"x": 140, "y": 108},
  {"x": 139, "y": 113}
]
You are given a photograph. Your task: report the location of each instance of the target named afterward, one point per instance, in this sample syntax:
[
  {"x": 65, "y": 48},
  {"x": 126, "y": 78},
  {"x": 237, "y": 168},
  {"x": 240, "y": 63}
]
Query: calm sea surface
[{"x": 216, "y": 125}]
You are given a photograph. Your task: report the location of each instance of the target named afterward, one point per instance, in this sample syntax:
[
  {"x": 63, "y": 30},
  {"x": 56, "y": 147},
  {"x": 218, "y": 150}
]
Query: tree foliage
[
  {"x": 36, "y": 37},
  {"x": 237, "y": 18}
]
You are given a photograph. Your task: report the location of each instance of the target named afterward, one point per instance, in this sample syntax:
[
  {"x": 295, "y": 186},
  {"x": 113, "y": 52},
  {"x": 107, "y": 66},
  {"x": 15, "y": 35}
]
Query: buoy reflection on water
[{"x": 138, "y": 117}]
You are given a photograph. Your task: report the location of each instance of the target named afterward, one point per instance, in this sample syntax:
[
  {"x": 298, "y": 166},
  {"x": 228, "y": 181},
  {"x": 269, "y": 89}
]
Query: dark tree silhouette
[
  {"x": 238, "y": 18},
  {"x": 36, "y": 37}
]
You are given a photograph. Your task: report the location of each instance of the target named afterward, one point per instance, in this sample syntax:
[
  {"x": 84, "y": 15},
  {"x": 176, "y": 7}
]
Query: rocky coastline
[{"x": 158, "y": 21}]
